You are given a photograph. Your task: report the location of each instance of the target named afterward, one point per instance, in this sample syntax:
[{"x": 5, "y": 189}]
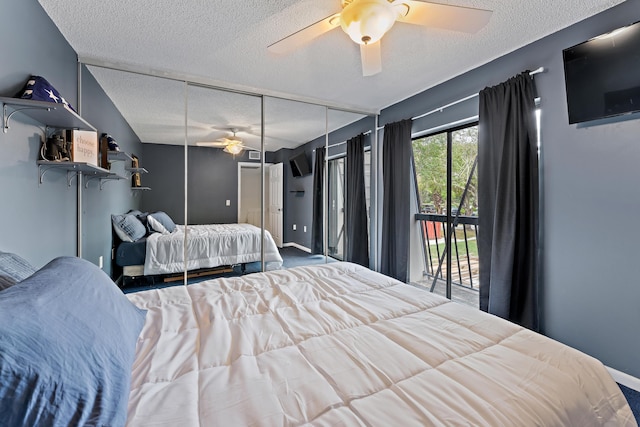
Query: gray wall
[
  {"x": 39, "y": 221},
  {"x": 590, "y": 296},
  {"x": 165, "y": 164},
  {"x": 212, "y": 178}
]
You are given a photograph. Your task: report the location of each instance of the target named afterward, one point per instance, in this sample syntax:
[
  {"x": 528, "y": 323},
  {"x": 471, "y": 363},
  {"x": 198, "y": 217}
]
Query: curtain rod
[
  {"x": 466, "y": 98},
  {"x": 343, "y": 142},
  {"x": 439, "y": 109}
]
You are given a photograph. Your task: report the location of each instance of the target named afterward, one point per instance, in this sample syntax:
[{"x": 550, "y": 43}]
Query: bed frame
[{"x": 134, "y": 274}]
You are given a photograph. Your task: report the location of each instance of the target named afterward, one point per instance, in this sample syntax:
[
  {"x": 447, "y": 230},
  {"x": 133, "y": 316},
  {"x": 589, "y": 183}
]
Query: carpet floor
[
  {"x": 291, "y": 257},
  {"x": 294, "y": 257},
  {"x": 633, "y": 397}
]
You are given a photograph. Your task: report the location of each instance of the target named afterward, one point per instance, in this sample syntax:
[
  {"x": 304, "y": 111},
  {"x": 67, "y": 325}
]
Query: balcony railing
[{"x": 464, "y": 255}]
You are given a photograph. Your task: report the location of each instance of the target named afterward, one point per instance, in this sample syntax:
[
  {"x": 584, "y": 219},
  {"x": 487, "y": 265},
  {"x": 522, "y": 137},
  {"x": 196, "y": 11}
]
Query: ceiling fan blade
[
  {"x": 371, "y": 58},
  {"x": 211, "y": 144},
  {"x": 448, "y": 17},
  {"x": 305, "y": 35}
]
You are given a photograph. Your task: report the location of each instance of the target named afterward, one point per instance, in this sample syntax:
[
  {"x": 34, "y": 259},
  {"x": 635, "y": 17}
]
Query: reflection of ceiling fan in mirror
[
  {"x": 366, "y": 21},
  {"x": 232, "y": 144}
]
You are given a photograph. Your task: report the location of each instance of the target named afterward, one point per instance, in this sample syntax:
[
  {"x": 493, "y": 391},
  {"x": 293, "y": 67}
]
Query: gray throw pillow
[
  {"x": 13, "y": 269},
  {"x": 128, "y": 227}
]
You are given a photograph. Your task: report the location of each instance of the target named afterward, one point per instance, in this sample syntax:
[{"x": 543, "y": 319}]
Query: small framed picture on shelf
[
  {"x": 104, "y": 151},
  {"x": 135, "y": 178},
  {"x": 84, "y": 146}
]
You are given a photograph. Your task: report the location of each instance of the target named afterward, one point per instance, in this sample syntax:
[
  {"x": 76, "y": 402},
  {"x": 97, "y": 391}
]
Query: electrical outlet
[
  {"x": 228, "y": 203},
  {"x": 294, "y": 227},
  {"x": 100, "y": 261},
  {"x": 304, "y": 228}
]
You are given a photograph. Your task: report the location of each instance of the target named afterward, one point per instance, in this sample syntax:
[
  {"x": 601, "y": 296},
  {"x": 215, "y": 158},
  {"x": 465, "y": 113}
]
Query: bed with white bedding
[
  {"x": 208, "y": 246},
  {"x": 339, "y": 344},
  {"x": 330, "y": 345},
  {"x": 151, "y": 244}
]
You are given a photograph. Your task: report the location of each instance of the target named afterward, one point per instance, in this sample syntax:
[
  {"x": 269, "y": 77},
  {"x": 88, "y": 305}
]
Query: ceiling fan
[
  {"x": 232, "y": 144},
  {"x": 366, "y": 21}
]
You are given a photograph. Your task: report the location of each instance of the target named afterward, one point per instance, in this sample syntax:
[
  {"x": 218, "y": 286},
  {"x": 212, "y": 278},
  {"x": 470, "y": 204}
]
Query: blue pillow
[
  {"x": 68, "y": 339},
  {"x": 13, "y": 269},
  {"x": 165, "y": 221},
  {"x": 128, "y": 227},
  {"x": 142, "y": 216}
]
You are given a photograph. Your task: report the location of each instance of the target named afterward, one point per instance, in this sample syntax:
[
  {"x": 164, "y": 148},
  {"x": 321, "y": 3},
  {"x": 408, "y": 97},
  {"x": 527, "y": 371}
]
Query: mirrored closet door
[
  {"x": 149, "y": 159},
  {"x": 293, "y": 131},
  {"x": 223, "y": 212},
  {"x": 269, "y": 174}
]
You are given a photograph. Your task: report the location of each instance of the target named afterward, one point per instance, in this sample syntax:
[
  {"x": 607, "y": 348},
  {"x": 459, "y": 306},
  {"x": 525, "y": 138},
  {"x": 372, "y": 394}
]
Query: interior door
[
  {"x": 249, "y": 193},
  {"x": 276, "y": 202}
]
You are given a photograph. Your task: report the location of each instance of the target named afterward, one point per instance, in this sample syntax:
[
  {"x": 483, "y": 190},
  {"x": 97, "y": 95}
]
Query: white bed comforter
[
  {"x": 340, "y": 345},
  {"x": 209, "y": 245}
]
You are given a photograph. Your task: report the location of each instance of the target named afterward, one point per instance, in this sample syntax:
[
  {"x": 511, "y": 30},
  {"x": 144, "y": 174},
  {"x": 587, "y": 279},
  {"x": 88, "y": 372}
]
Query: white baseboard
[
  {"x": 295, "y": 245},
  {"x": 624, "y": 379}
]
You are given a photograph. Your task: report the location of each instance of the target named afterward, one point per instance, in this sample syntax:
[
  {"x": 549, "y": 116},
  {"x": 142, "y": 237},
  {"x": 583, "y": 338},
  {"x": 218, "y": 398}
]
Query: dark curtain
[
  {"x": 508, "y": 201},
  {"x": 357, "y": 236},
  {"x": 317, "y": 243},
  {"x": 396, "y": 169}
]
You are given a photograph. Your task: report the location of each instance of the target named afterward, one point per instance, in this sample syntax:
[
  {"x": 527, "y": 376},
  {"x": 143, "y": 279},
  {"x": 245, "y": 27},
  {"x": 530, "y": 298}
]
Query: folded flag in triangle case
[{"x": 39, "y": 89}]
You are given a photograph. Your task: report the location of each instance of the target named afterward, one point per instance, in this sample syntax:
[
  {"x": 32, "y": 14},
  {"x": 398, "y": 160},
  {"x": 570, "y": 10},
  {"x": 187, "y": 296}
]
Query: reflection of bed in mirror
[{"x": 159, "y": 250}]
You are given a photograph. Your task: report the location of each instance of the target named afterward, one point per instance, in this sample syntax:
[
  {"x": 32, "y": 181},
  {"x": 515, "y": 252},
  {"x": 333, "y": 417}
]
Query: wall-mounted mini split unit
[{"x": 254, "y": 155}]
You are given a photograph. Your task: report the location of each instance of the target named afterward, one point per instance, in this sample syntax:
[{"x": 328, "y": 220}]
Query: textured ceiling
[{"x": 224, "y": 42}]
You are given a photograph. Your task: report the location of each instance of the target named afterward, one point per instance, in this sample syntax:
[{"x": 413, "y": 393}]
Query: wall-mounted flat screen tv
[
  {"x": 300, "y": 165},
  {"x": 602, "y": 75}
]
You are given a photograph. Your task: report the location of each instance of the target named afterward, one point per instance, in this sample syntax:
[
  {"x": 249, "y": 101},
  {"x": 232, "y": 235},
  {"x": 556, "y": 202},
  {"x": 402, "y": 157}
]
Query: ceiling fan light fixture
[
  {"x": 366, "y": 21},
  {"x": 233, "y": 149}
]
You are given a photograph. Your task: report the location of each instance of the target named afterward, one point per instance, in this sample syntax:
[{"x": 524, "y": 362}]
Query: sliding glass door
[
  {"x": 445, "y": 167},
  {"x": 335, "y": 233}
]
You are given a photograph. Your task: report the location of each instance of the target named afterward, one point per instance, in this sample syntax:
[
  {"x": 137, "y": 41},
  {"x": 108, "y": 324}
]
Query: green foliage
[
  {"x": 430, "y": 156},
  {"x": 462, "y": 249}
]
